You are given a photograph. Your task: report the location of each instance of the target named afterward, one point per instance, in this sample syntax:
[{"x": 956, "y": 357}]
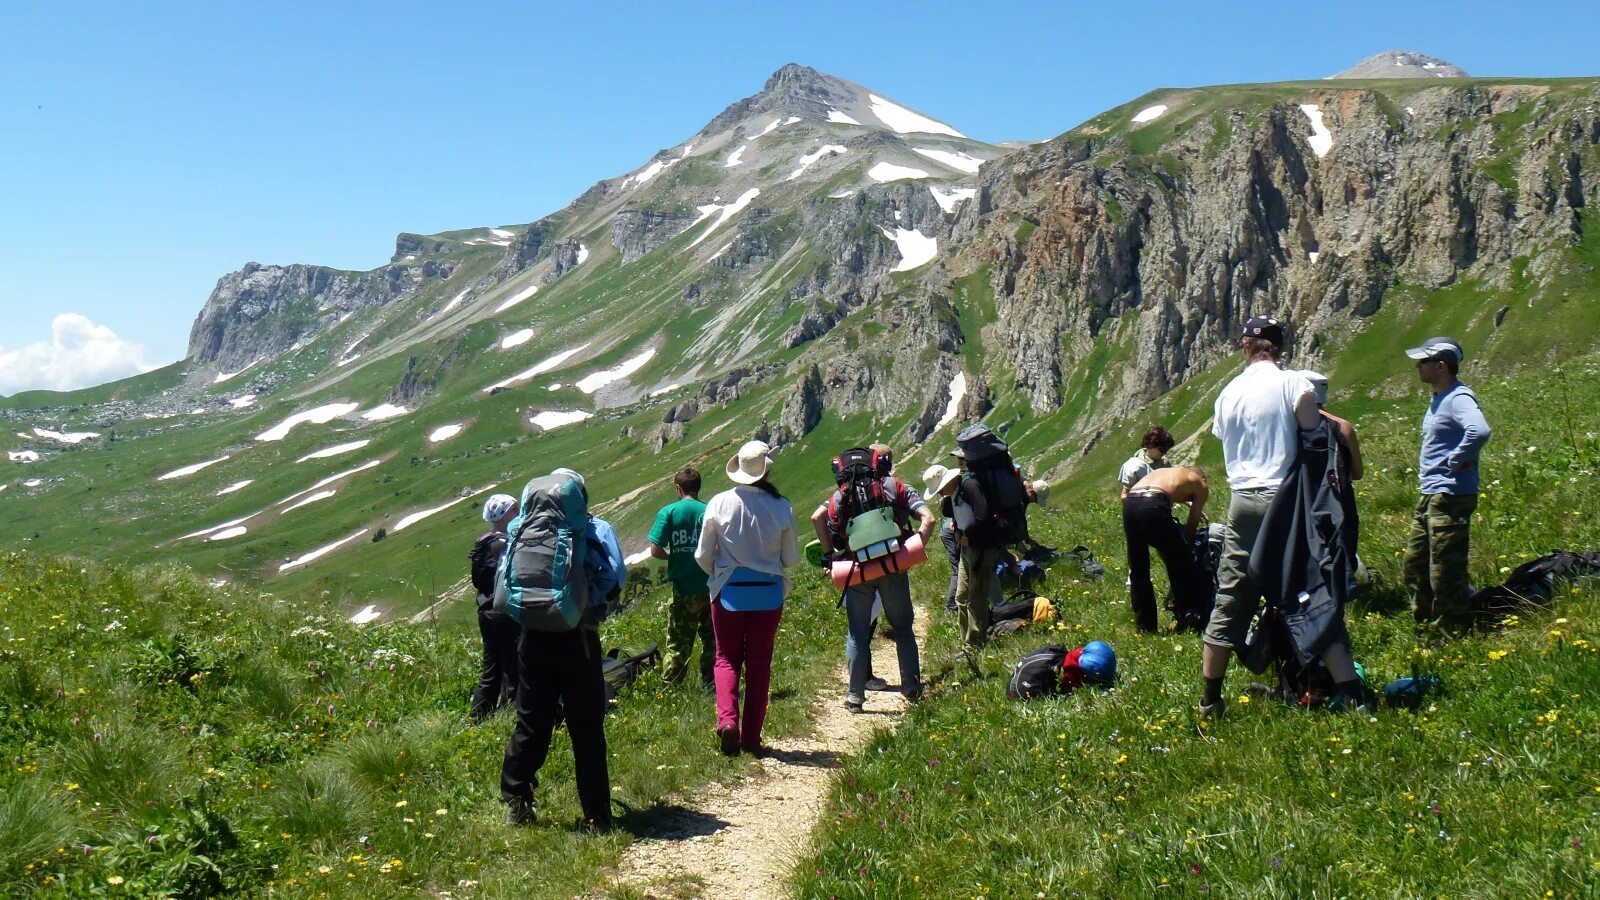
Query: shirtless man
[{"x": 1147, "y": 522}]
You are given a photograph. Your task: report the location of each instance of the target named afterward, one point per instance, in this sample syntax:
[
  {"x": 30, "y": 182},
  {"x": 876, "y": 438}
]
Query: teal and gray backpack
[{"x": 542, "y": 584}]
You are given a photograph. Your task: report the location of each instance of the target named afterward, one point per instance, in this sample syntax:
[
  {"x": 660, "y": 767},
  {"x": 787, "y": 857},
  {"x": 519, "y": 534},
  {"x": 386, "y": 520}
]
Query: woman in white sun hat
[
  {"x": 747, "y": 540},
  {"x": 941, "y": 486}
]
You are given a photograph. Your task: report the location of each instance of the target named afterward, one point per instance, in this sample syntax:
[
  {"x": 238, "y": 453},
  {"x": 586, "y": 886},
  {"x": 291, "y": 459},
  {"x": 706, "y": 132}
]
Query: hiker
[
  {"x": 870, "y": 501},
  {"x": 940, "y": 482},
  {"x": 1152, "y": 455},
  {"x": 498, "y": 684},
  {"x": 1454, "y": 433},
  {"x": 1351, "y": 467},
  {"x": 1258, "y": 418},
  {"x": 1147, "y": 522},
  {"x": 990, "y": 512},
  {"x": 563, "y": 667},
  {"x": 673, "y": 538},
  {"x": 747, "y": 540}
]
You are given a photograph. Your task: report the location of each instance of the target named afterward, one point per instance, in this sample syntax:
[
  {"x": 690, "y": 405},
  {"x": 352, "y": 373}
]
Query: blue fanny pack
[{"x": 750, "y": 591}]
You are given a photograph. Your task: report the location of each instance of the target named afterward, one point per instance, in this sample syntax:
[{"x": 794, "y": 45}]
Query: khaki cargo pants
[
  {"x": 977, "y": 593},
  {"x": 1435, "y": 566}
]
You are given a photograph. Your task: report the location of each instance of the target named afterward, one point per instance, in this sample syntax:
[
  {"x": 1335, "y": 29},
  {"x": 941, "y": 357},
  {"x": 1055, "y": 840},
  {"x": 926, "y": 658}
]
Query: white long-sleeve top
[{"x": 746, "y": 526}]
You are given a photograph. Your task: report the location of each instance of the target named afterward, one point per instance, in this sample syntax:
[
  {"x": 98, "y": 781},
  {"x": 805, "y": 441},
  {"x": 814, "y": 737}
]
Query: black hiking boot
[
  {"x": 728, "y": 741},
  {"x": 1213, "y": 711},
  {"x": 521, "y": 813}
]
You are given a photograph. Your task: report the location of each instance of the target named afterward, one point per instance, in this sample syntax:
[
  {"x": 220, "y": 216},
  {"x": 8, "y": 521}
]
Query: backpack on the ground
[
  {"x": 1532, "y": 583},
  {"x": 621, "y": 669},
  {"x": 1207, "y": 550},
  {"x": 485, "y": 562},
  {"x": 542, "y": 585},
  {"x": 1038, "y": 673},
  {"x": 864, "y": 522},
  {"x": 989, "y": 464}
]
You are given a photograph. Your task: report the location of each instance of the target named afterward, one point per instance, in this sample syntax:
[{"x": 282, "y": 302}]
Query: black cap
[{"x": 1266, "y": 328}]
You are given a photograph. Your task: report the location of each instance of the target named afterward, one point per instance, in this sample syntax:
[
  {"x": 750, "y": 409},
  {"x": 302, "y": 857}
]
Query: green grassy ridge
[
  {"x": 148, "y": 719},
  {"x": 1123, "y": 792}
]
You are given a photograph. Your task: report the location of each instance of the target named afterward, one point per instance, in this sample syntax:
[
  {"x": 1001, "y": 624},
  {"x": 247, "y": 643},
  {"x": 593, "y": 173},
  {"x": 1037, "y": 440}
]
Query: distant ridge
[{"x": 1402, "y": 64}]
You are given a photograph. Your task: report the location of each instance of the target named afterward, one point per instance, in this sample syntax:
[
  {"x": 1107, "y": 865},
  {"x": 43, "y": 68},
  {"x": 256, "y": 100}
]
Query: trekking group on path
[{"x": 548, "y": 572}]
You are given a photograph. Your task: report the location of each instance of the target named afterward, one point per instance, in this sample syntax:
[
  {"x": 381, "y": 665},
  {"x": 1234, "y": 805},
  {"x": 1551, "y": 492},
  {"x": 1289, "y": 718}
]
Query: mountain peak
[
  {"x": 804, "y": 93},
  {"x": 1402, "y": 64}
]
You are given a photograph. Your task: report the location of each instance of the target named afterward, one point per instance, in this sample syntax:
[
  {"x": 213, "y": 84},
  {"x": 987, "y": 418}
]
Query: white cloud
[{"x": 78, "y": 354}]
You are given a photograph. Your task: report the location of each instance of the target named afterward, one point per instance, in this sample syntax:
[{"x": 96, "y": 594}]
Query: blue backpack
[{"x": 541, "y": 584}]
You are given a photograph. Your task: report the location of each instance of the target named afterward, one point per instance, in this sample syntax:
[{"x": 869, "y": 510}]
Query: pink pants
[{"x": 744, "y": 645}]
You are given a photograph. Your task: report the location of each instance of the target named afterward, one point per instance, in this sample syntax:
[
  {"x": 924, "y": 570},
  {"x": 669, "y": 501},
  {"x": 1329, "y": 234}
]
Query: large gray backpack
[{"x": 542, "y": 584}]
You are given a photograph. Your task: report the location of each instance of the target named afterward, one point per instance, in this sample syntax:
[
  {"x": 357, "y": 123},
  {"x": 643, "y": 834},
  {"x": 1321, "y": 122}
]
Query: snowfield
[
  {"x": 368, "y": 613},
  {"x": 1321, "y": 139},
  {"x": 502, "y": 233},
  {"x": 227, "y": 533},
  {"x": 384, "y": 411},
  {"x": 190, "y": 470},
  {"x": 335, "y": 450},
  {"x": 736, "y": 157},
  {"x": 444, "y": 433},
  {"x": 598, "y": 380},
  {"x": 840, "y": 118},
  {"x": 583, "y": 255},
  {"x": 320, "y": 552},
  {"x": 809, "y": 158},
  {"x": 958, "y": 391},
  {"x": 23, "y": 456},
  {"x": 319, "y": 416},
  {"x": 71, "y": 437},
  {"x": 516, "y": 298},
  {"x": 224, "y": 376},
  {"x": 1149, "y": 114},
  {"x": 915, "y": 249},
  {"x": 308, "y": 500},
  {"x": 244, "y": 402},
  {"x": 516, "y": 339},
  {"x": 546, "y": 365},
  {"x": 947, "y": 198},
  {"x": 903, "y": 120},
  {"x": 724, "y": 211},
  {"x": 964, "y": 162},
  {"x": 236, "y": 486},
  {"x": 550, "y": 419},
  {"x": 419, "y": 515},
  {"x": 634, "y": 559},
  {"x": 886, "y": 171}
]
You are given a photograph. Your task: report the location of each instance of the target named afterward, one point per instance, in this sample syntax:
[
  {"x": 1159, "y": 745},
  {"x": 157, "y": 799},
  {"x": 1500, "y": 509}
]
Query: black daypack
[
  {"x": 1207, "y": 550},
  {"x": 989, "y": 465},
  {"x": 1532, "y": 583},
  {"x": 1037, "y": 674},
  {"x": 485, "y": 561},
  {"x": 864, "y": 521},
  {"x": 619, "y": 669}
]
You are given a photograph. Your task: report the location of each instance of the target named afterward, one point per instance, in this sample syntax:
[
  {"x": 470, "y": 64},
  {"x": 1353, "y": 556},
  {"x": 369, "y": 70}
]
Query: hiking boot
[
  {"x": 728, "y": 741},
  {"x": 877, "y": 684},
  {"x": 594, "y": 826},
  {"x": 520, "y": 813},
  {"x": 759, "y": 751},
  {"x": 914, "y": 696},
  {"x": 1214, "y": 711},
  {"x": 854, "y": 705}
]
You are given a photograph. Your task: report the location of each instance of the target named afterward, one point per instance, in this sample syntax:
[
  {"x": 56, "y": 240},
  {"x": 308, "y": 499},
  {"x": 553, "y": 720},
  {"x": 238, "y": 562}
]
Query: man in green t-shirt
[{"x": 674, "y": 538}]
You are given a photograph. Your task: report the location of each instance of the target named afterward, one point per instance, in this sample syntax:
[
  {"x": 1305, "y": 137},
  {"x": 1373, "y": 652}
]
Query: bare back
[{"x": 1181, "y": 483}]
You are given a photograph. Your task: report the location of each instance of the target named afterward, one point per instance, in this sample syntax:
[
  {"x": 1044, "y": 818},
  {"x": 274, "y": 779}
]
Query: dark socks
[{"x": 1213, "y": 692}]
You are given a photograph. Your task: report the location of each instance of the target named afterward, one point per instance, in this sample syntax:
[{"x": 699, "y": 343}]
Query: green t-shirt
[{"x": 677, "y": 529}]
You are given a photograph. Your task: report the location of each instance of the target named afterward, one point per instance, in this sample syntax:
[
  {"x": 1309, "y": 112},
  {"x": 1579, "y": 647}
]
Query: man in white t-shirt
[{"x": 1257, "y": 418}]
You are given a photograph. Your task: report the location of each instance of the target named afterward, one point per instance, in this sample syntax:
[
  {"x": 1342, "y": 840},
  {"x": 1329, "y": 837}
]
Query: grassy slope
[
  {"x": 130, "y": 698},
  {"x": 1124, "y": 793}
]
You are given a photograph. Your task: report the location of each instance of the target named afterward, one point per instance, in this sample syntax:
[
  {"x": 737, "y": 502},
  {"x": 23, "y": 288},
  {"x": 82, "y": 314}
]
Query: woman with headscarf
[
  {"x": 498, "y": 685},
  {"x": 747, "y": 540}
]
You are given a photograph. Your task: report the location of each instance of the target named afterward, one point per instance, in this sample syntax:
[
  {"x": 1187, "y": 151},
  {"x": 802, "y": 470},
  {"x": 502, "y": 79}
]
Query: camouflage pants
[
  {"x": 1435, "y": 566},
  {"x": 688, "y": 617}
]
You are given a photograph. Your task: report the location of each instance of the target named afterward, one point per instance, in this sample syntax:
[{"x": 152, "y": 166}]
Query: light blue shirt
[
  {"x": 604, "y": 565},
  {"x": 1453, "y": 434}
]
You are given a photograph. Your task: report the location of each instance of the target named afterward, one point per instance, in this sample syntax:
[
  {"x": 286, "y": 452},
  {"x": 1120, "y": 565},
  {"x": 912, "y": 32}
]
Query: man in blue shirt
[{"x": 1453, "y": 434}]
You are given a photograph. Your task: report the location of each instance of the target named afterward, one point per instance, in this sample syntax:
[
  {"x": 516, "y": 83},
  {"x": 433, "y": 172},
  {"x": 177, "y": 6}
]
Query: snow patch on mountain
[
  {"x": 22, "y": 456},
  {"x": 1321, "y": 139},
  {"x": 335, "y": 450},
  {"x": 807, "y": 159},
  {"x": 71, "y": 437},
  {"x": 516, "y": 298},
  {"x": 545, "y": 365},
  {"x": 723, "y": 211},
  {"x": 444, "y": 433},
  {"x": 1150, "y": 114},
  {"x": 947, "y": 198},
  {"x": 583, "y": 255},
  {"x": 736, "y": 157},
  {"x": 319, "y": 416},
  {"x": 964, "y": 162},
  {"x": 958, "y": 391},
  {"x": 313, "y": 498},
  {"x": 384, "y": 411},
  {"x": 419, "y": 515},
  {"x": 244, "y": 402},
  {"x": 840, "y": 118},
  {"x": 516, "y": 339},
  {"x": 551, "y": 419},
  {"x": 320, "y": 552},
  {"x": 903, "y": 120},
  {"x": 224, "y": 376},
  {"x": 594, "y": 382},
  {"x": 236, "y": 486},
  {"x": 884, "y": 172},
  {"x": 227, "y": 533},
  {"x": 191, "y": 469},
  {"x": 915, "y": 248}
]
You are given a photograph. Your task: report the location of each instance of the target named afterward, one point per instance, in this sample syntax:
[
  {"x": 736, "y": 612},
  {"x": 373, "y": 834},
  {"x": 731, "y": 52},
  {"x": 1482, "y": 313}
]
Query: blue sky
[{"x": 151, "y": 148}]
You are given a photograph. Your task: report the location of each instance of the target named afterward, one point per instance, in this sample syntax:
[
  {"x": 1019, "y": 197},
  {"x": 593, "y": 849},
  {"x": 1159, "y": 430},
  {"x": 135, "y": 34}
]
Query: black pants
[
  {"x": 498, "y": 685},
  {"x": 952, "y": 550},
  {"x": 1147, "y": 522},
  {"x": 564, "y": 666}
]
